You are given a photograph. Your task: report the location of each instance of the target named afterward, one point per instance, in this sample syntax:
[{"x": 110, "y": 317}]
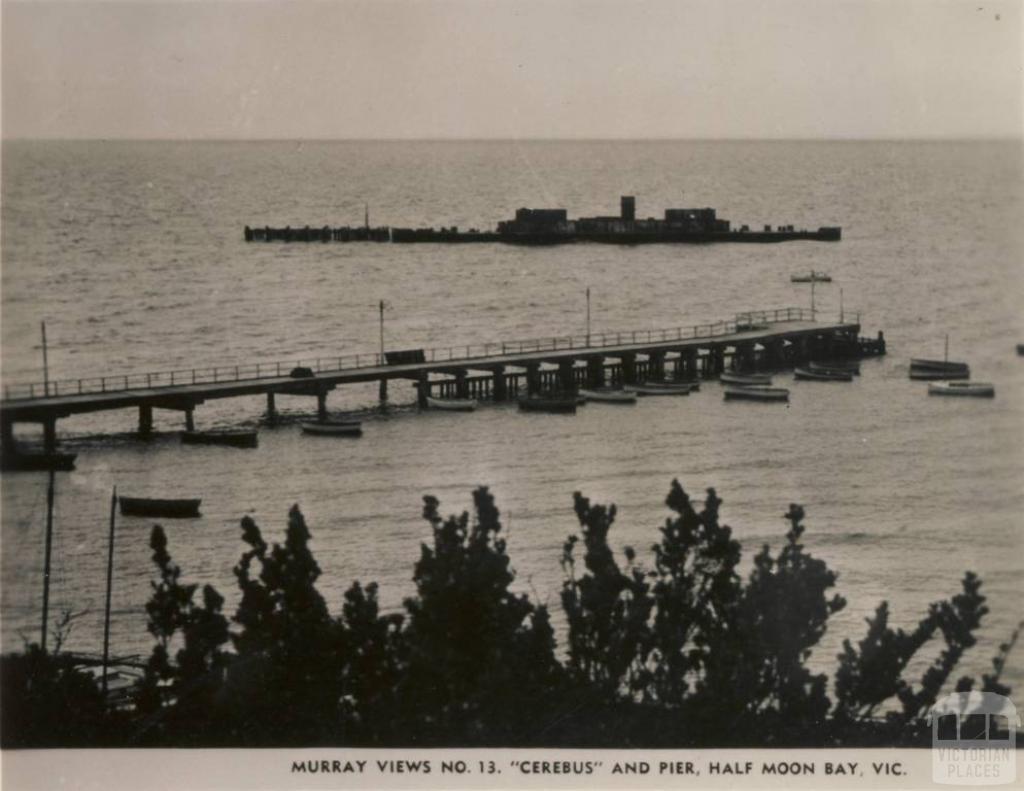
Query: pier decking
[{"x": 779, "y": 337}]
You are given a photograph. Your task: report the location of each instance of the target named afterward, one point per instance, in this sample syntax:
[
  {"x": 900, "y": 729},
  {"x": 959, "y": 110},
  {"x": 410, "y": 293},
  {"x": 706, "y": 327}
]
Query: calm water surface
[{"x": 133, "y": 255}]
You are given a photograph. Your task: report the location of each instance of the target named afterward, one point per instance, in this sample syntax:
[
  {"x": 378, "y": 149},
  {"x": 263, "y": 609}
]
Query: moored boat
[
  {"x": 28, "y": 460},
  {"x": 452, "y": 404},
  {"x": 925, "y": 374},
  {"x": 609, "y": 396},
  {"x": 937, "y": 365},
  {"x": 822, "y": 375},
  {"x": 548, "y": 403},
  {"x": 658, "y": 389},
  {"x": 334, "y": 428},
  {"x": 811, "y": 277},
  {"x": 848, "y": 366},
  {"x": 756, "y": 393},
  {"x": 744, "y": 380},
  {"x": 234, "y": 439},
  {"x": 976, "y": 389},
  {"x": 168, "y": 509}
]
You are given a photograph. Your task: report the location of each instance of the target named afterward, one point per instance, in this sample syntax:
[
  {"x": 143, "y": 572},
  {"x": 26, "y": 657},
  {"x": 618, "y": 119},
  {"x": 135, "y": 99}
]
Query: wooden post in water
[
  {"x": 190, "y": 421},
  {"x": 271, "y": 409},
  {"x": 382, "y": 390},
  {"x": 321, "y": 406},
  {"x": 46, "y": 559},
  {"x": 110, "y": 581}
]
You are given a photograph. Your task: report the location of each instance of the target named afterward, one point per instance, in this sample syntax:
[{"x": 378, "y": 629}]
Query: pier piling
[
  {"x": 627, "y": 361},
  {"x": 498, "y": 388},
  {"x": 271, "y": 409},
  {"x": 422, "y": 389},
  {"x": 145, "y": 420},
  {"x": 532, "y": 378},
  {"x": 50, "y": 434}
]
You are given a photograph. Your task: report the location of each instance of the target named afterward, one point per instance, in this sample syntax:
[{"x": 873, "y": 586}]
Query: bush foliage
[{"x": 686, "y": 653}]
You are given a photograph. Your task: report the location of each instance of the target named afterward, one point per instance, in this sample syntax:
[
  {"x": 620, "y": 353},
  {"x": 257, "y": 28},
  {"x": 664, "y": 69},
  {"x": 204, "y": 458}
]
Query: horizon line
[{"x": 659, "y": 139}]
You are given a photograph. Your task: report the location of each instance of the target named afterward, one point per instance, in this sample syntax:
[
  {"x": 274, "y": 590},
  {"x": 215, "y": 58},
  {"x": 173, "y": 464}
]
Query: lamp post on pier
[{"x": 588, "y": 316}]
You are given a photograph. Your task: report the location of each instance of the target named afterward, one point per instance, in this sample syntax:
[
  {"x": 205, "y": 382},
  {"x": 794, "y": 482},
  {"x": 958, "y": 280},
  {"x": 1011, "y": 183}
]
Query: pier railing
[{"x": 751, "y": 320}]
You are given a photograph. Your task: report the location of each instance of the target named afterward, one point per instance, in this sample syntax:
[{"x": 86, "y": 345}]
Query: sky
[{"x": 297, "y": 69}]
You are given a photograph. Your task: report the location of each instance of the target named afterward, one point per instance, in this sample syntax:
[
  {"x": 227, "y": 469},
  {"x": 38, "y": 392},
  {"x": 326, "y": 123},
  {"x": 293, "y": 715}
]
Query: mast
[
  {"x": 46, "y": 558},
  {"x": 382, "y": 332},
  {"x": 110, "y": 578},
  {"x": 366, "y": 215}
]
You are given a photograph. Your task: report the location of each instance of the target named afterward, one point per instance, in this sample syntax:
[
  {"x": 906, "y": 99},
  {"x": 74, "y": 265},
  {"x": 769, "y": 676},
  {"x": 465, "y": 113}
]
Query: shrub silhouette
[{"x": 684, "y": 653}]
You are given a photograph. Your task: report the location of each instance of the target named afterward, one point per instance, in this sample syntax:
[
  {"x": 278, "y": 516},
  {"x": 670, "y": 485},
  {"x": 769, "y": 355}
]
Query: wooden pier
[{"x": 494, "y": 371}]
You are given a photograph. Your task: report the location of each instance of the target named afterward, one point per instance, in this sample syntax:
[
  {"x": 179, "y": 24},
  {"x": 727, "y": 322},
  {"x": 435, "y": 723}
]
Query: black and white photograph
[{"x": 519, "y": 393}]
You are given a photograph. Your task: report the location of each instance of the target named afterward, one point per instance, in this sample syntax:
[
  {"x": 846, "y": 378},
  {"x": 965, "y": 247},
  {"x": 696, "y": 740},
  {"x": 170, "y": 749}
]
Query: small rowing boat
[
  {"x": 335, "y": 428},
  {"x": 812, "y": 277},
  {"x": 756, "y": 393},
  {"x": 924, "y": 374},
  {"x": 745, "y": 380},
  {"x": 847, "y": 366},
  {"x": 822, "y": 375},
  {"x": 937, "y": 365},
  {"x": 976, "y": 389},
  {"x": 658, "y": 389},
  {"x": 234, "y": 439},
  {"x": 559, "y": 404},
  {"x": 168, "y": 509},
  {"x": 28, "y": 460},
  {"x": 609, "y": 396},
  {"x": 452, "y": 404}
]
